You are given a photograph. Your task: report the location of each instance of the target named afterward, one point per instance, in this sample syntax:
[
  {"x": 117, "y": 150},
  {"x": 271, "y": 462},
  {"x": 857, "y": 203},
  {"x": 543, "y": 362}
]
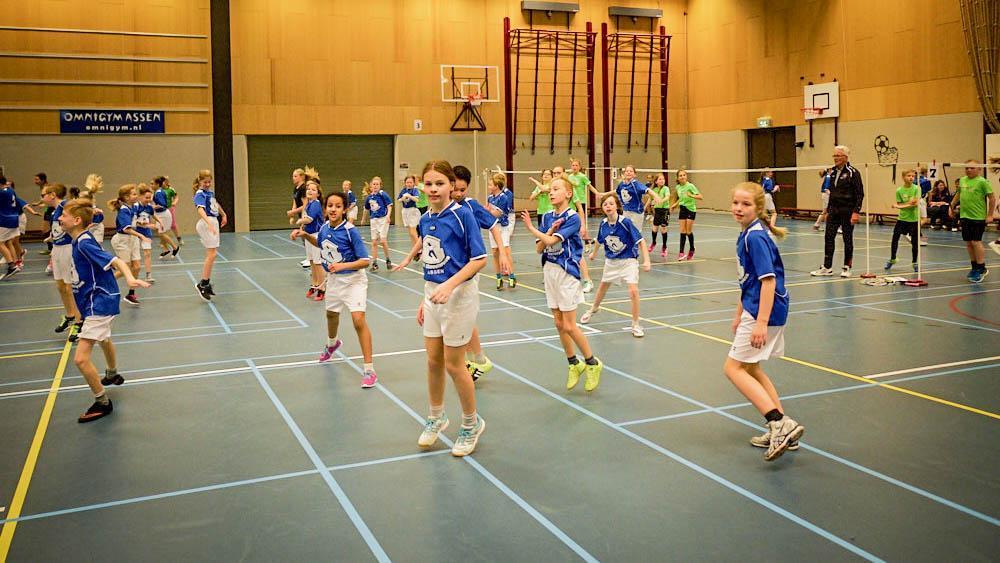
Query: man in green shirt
[
  {"x": 976, "y": 203},
  {"x": 907, "y": 202}
]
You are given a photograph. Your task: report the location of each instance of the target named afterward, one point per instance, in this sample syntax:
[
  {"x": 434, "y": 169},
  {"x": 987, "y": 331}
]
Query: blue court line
[
  {"x": 538, "y": 516},
  {"x": 806, "y": 395},
  {"x": 272, "y": 298},
  {"x": 746, "y": 493},
  {"x": 325, "y": 473},
  {"x": 218, "y": 487},
  {"x": 211, "y": 306},
  {"x": 251, "y": 241},
  {"x": 866, "y": 470},
  {"x": 388, "y": 310},
  {"x": 219, "y": 255},
  {"x": 890, "y": 311}
]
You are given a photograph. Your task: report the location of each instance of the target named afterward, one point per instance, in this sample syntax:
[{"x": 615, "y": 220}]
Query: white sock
[
  {"x": 437, "y": 411},
  {"x": 369, "y": 367},
  {"x": 330, "y": 342},
  {"x": 469, "y": 420}
]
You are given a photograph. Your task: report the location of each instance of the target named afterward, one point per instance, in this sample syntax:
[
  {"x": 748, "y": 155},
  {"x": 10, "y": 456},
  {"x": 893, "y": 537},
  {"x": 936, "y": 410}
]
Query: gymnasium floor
[{"x": 229, "y": 442}]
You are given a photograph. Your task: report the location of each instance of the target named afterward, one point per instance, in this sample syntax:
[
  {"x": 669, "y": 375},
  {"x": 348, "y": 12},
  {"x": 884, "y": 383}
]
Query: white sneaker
[
  {"x": 995, "y": 246},
  {"x": 432, "y": 427},
  {"x": 822, "y": 272},
  {"x": 783, "y": 433},
  {"x": 587, "y": 316},
  {"x": 637, "y": 331},
  {"x": 764, "y": 441},
  {"x": 468, "y": 438},
  {"x": 304, "y": 263},
  {"x": 923, "y": 241},
  {"x": 845, "y": 272},
  {"x": 588, "y": 286}
]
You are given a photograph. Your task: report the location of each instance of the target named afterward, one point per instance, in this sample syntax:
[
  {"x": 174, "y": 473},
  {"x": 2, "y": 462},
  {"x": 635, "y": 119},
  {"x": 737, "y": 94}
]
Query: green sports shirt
[
  {"x": 664, "y": 193},
  {"x": 684, "y": 193},
  {"x": 580, "y": 182},
  {"x": 905, "y": 194},
  {"x": 972, "y": 194},
  {"x": 543, "y": 201}
]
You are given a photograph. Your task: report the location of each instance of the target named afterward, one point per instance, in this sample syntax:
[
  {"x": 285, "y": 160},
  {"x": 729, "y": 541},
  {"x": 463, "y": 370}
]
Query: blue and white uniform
[
  {"x": 450, "y": 239},
  {"x": 621, "y": 241},
  {"x": 205, "y": 199},
  {"x": 62, "y": 250},
  {"x": 768, "y": 185},
  {"x": 126, "y": 245},
  {"x": 378, "y": 205},
  {"x": 758, "y": 259},
  {"x": 95, "y": 289},
  {"x": 143, "y": 224},
  {"x": 345, "y": 287},
  {"x": 484, "y": 218},
  {"x": 630, "y": 193},
  {"x": 10, "y": 211},
  {"x": 96, "y": 227},
  {"x": 313, "y": 210},
  {"x": 561, "y": 261},
  {"x": 161, "y": 209},
  {"x": 504, "y": 201},
  {"x": 411, "y": 215},
  {"x": 352, "y": 206}
]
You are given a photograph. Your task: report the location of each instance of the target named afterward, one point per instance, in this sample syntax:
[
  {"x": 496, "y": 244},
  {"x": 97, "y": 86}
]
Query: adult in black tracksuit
[{"x": 847, "y": 191}]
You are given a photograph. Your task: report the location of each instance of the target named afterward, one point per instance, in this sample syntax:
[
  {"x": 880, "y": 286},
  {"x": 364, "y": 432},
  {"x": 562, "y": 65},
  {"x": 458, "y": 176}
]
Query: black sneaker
[
  {"x": 115, "y": 379},
  {"x": 132, "y": 300},
  {"x": 175, "y": 251},
  {"x": 388, "y": 264},
  {"x": 164, "y": 253},
  {"x": 211, "y": 291},
  {"x": 204, "y": 291},
  {"x": 374, "y": 266},
  {"x": 11, "y": 270},
  {"x": 96, "y": 410},
  {"x": 66, "y": 321},
  {"x": 74, "y": 333}
]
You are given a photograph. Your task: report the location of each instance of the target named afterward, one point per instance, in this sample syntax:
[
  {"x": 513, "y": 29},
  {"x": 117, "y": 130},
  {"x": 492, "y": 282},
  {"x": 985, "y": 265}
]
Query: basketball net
[
  {"x": 814, "y": 113},
  {"x": 475, "y": 100}
]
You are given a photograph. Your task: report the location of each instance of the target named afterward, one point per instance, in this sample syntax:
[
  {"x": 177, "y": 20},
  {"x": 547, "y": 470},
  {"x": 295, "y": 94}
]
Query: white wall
[{"x": 717, "y": 150}]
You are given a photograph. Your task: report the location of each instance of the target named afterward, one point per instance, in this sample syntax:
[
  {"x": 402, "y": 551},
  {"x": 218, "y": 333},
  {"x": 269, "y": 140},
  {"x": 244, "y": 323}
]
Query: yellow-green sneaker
[
  {"x": 477, "y": 370},
  {"x": 574, "y": 374},
  {"x": 593, "y": 376}
]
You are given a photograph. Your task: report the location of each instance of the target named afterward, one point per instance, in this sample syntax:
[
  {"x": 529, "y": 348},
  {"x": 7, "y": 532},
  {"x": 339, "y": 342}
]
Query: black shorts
[
  {"x": 47, "y": 217},
  {"x": 686, "y": 213},
  {"x": 661, "y": 216},
  {"x": 422, "y": 210},
  {"x": 973, "y": 229}
]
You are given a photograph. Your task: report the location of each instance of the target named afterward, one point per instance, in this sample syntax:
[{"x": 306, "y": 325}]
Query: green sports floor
[{"x": 230, "y": 442}]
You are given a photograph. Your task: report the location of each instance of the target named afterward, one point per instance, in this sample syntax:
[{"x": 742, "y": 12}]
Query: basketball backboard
[
  {"x": 460, "y": 82},
  {"x": 825, "y": 96}
]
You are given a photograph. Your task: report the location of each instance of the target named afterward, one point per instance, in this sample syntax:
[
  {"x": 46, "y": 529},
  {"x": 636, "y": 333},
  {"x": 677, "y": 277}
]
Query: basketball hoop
[
  {"x": 475, "y": 100},
  {"x": 812, "y": 113}
]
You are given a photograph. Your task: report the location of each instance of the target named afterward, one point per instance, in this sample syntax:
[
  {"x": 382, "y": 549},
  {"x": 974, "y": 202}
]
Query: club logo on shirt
[
  {"x": 625, "y": 194},
  {"x": 142, "y": 219},
  {"x": 373, "y": 204},
  {"x": 433, "y": 253},
  {"x": 614, "y": 244},
  {"x": 330, "y": 253},
  {"x": 741, "y": 274},
  {"x": 555, "y": 249},
  {"x": 57, "y": 230}
]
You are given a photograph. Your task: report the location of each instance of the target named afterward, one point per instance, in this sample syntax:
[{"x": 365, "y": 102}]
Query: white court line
[
  {"x": 933, "y": 367},
  {"x": 251, "y": 241}
]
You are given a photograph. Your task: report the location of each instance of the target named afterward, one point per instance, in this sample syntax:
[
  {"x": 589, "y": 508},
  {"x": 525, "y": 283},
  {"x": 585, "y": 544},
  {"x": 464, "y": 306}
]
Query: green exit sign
[{"x": 763, "y": 122}]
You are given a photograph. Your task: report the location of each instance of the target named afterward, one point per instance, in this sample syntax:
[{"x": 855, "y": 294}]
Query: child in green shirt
[
  {"x": 976, "y": 201},
  {"x": 661, "y": 212},
  {"x": 540, "y": 195},
  {"x": 907, "y": 202}
]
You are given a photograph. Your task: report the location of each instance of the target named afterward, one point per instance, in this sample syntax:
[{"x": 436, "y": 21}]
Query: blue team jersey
[
  {"x": 504, "y": 201},
  {"x": 409, "y": 191},
  {"x": 314, "y": 209},
  {"x": 143, "y": 218},
  {"x": 768, "y": 185},
  {"x": 206, "y": 200},
  {"x": 160, "y": 203},
  {"x": 620, "y": 239},
  {"x": 567, "y": 252},
  {"x": 378, "y": 204},
  {"x": 59, "y": 236},
  {"x": 94, "y": 286},
  {"x": 10, "y": 210},
  {"x": 98, "y": 217},
  {"x": 630, "y": 193},
  {"x": 827, "y": 180},
  {"x": 340, "y": 244},
  {"x": 124, "y": 219},
  {"x": 925, "y": 186},
  {"x": 351, "y": 198},
  {"x": 485, "y": 219},
  {"x": 451, "y": 239},
  {"x": 758, "y": 259}
]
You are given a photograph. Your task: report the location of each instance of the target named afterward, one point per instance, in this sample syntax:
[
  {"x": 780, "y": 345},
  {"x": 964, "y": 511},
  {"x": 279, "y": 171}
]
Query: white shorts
[
  {"x": 314, "y": 255},
  {"x": 380, "y": 228},
  {"x": 349, "y": 290},
  {"x": 146, "y": 244},
  {"x": 62, "y": 262},
  {"x": 742, "y": 351},
  {"x": 7, "y": 233},
  {"x": 562, "y": 291},
  {"x": 208, "y": 240},
  {"x": 126, "y": 247},
  {"x": 455, "y": 320},
  {"x": 825, "y": 197},
  {"x": 97, "y": 328},
  {"x": 621, "y": 271},
  {"x": 22, "y": 223},
  {"x": 411, "y": 217},
  {"x": 923, "y": 208},
  {"x": 636, "y": 218},
  {"x": 97, "y": 229},
  {"x": 166, "y": 221},
  {"x": 768, "y": 202},
  {"x": 352, "y": 215},
  {"x": 505, "y": 234}
]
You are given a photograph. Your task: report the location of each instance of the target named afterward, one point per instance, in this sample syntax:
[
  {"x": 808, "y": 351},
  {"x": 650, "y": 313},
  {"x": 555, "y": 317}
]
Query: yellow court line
[
  {"x": 805, "y": 363},
  {"x": 21, "y": 491},
  {"x": 25, "y": 310},
  {"x": 31, "y": 354}
]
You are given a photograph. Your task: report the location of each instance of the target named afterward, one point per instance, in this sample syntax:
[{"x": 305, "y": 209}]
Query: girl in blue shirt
[
  {"x": 212, "y": 219},
  {"x": 96, "y": 295},
  {"x": 558, "y": 241},
  {"x": 378, "y": 206},
  {"x": 126, "y": 240},
  {"x": 345, "y": 258},
  {"x": 500, "y": 204},
  {"x": 623, "y": 244},
  {"x": 146, "y": 222},
  {"x": 310, "y": 223},
  {"x": 452, "y": 253},
  {"x": 759, "y": 324},
  {"x": 630, "y": 192},
  {"x": 408, "y": 198}
]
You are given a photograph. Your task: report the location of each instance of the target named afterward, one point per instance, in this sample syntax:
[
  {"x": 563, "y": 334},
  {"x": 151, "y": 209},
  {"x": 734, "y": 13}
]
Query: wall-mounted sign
[
  {"x": 764, "y": 122},
  {"x": 110, "y": 121}
]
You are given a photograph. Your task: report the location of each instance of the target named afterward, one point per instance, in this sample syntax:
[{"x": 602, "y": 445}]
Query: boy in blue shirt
[
  {"x": 759, "y": 325},
  {"x": 95, "y": 291},
  {"x": 500, "y": 204},
  {"x": 378, "y": 206}
]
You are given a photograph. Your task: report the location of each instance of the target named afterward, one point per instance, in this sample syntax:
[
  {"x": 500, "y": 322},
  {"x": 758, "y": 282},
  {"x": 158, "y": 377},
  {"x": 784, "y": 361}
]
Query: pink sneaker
[
  {"x": 369, "y": 380},
  {"x": 690, "y": 255},
  {"x": 329, "y": 351},
  {"x": 681, "y": 257},
  {"x": 652, "y": 246},
  {"x": 664, "y": 253}
]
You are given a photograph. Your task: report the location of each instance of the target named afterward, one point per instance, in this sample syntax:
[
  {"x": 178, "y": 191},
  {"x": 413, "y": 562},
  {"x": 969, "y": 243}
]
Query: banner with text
[{"x": 110, "y": 121}]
